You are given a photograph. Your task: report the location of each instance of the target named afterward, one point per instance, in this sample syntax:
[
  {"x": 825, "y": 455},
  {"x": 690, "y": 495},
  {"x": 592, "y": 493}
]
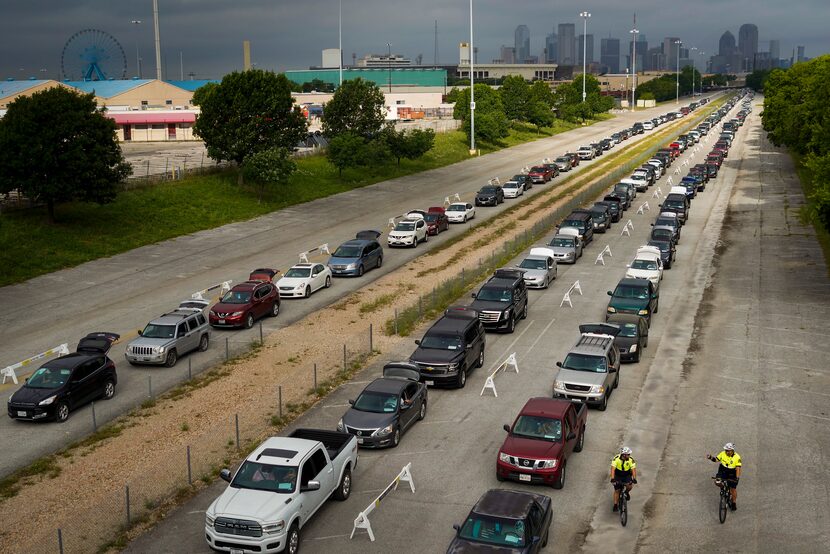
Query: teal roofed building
[{"x": 401, "y": 77}]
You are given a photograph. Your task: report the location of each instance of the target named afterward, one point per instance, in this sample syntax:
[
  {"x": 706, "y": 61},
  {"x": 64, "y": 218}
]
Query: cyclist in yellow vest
[
  {"x": 623, "y": 474},
  {"x": 729, "y": 470}
]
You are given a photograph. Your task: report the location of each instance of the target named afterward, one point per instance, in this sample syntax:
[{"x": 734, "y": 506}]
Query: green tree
[
  {"x": 540, "y": 91},
  {"x": 57, "y": 146},
  {"x": 269, "y": 167},
  {"x": 357, "y": 107},
  {"x": 410, "y": 145},
  {"x": 248, "y": 112},
  {"x": 346, "y": 150},
  {"x": 515, "y": 97},
  {"x": 490, "y": 122}
]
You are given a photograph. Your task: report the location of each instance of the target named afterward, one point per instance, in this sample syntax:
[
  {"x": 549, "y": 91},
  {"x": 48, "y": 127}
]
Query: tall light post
[
  {"x": 137, "y": 57},
  {"x": 158, "y": 40},
  {"x": 677, "y": 44},
  {"x": 626, "y": 85},
  {"x": 584, "y": 16},
  {"x": 389, "y": 65},
  {"x": 340, "y": 41},
  {"x": 472, "y": 89},
  {"x": 692, "y": 55},
  {"x": 634, "y": 33}
]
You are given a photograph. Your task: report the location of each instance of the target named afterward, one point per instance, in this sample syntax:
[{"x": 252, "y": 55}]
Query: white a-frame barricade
[
  {"x": 490, "y": 382},
  {"x": 8, "y": 372},
  {"x": 362, "y": 519}
]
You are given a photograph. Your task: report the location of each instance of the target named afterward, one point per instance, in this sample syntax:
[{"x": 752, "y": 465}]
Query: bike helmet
[
  {"x": 729, "y": 446},
  {"x": 625, "y": 450}
]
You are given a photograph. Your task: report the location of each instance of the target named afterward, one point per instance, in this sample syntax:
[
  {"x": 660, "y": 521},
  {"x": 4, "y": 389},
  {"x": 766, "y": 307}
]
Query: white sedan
[
  {"x": 513, "y": 189},
  {"x": 646, "y": 265},
  {"x": 460, "y": 212},
  {"x": 303, "y": 279},
  {"x": 408, "y": 232}
]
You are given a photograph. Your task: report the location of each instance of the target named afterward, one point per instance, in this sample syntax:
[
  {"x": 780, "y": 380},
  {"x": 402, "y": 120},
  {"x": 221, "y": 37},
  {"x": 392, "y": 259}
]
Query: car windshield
[
  {"x": 564, "y": 159},
  {"x": 511, "y": 185},
  {"x": 49, "y": 378},
  {"x": 518, "y": 178},
  {"x": 442, "y": 342},
  {"x": 376, "y": 402},
  {"x": 621, "y": 188},
  {"x": 495, "y": 531},
  {"x": 644, "y": 264},
  {"x": 675, "y": 204},
  {"x": 405, "y": 226},
  {"x": 347, "y": 252},
  {"x": 562, "y": 242},
  {"x": 232, "y": 297},
  {"x": 495, "y": 295},
  {"x": 581, "y": 362},
  {"x": 457, "y": 208},
  {"x": 665, "y": 221},
  {"x": 298, "y": 272},
  {"x": 631, "y": 291},
  {"x": 628, "y": 330},
  {"x": 265, "y": 477},
  {"x": 661, "y": 244},
  {"x": 529, "y": 263},
  {"x": 661, "y": 234},
  {"x": 638, "y": 177},
  {"x": 575, "y": 223},
  {"x": 487, "y": 190},
  {"x": 161, "y": 331},
  {"x": 536, "y": 427}
]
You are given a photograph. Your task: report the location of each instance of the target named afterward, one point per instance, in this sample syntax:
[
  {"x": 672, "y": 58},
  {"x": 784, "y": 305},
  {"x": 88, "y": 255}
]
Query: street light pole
[
  {"x": 389, "y": 65},
  {"x": 633, "y": 67},
  {"x": 158, "y": 40},
  {"x": 137, "y": 58},
  {"x": 678, "y": 43},
  {"x": 584, "y": 16},
  {"x": 472, "y": 88},
  {"x": 340, "y": 42},
  {"x": 694, "y": 65}
]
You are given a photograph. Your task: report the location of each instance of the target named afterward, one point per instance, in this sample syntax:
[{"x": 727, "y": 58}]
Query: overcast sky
[{"x": 288, "y": 34}]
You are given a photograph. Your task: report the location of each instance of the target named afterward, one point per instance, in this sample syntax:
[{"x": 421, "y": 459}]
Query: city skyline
[{"x": 208, "y": 35}]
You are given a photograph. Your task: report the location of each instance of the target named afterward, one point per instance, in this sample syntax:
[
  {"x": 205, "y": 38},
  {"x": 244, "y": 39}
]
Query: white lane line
[
  {"x": 325, "y": 538},
  {"x": 512, "y": 344},
  {"x": 733, "y": 402},
  {"x": 542, "y": 334}
]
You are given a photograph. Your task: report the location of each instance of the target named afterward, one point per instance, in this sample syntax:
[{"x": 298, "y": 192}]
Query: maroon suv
[{"x": 245, "y": 303}]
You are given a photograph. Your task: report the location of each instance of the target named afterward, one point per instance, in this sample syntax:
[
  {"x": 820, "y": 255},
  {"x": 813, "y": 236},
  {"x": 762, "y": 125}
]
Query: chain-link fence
[{"x": 123, "y": 496}]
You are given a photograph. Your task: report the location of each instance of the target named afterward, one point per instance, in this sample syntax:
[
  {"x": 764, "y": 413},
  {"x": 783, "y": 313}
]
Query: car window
[
  {"x": 538, "y": 427},
  {"x": 159, "y": 331},
  {"x": 442, "y": 342},
  {"x": 49, "y": 378},
  {"x": 201, "y": 319},
  {"x": 582, "y": 362},
  {"x": 86, "y": 369},
  {"x": 376, "y": 402},
  {"x": 492, "y": 530},
  {"x": 265, "y": 477},
  {"x": 411, "y": 391},
  {"x": 470, "y": 335},
  {"x": 192, "y": 324},
  {"x": 181, "y": 330},
  {"x": 612, "y": 357},
  {"x": 628, "y": 330},
  {"x": 495, "y": 295},
  {"x": 236, "y": 297},
  {"x": 307, "y": 473},
  {"x": 631, "y": 291},
  {"x": 299, "y": 272},
  {"x": 318, "y": 461},
  {"x": 350, "y": 251}
]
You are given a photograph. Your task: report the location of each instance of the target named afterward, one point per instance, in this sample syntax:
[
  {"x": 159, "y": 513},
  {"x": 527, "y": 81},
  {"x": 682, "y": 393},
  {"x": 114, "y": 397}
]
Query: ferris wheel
[{"x": 93, "y": 55}]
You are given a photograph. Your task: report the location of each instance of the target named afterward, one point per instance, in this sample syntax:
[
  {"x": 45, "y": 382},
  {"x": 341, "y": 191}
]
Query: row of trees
[
  {"x": 665, "y": 87},
  {"x": 518, "y": 101},
  {"x": 796, "y": 115}
]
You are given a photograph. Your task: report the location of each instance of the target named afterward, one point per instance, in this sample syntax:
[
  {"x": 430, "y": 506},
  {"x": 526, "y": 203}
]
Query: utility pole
[
  {"x": 472, "y": 89},
  {"x": 158, "y": 40},
  {"x": 584, "y": 16},
  {"x": 137, "y": 57}
]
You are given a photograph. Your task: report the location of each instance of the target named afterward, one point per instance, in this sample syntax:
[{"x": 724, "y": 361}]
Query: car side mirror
[
  {"x": 628, "y": 265},
  {"x": 612, "y": 369},
  {"x": 405, "y": 406},
  {"x": 558, "y": 364},
  {"x": 506, "y": 427},
  {"x": 418, "y": 342},
  {"x": 469, "y": 346},
  {"x": 535, "y": 539},
  {"x": 457, "y": 527},
  {"x": 310, "y": 486},
  {"x": 140, "y": 332},
  {"x": 654, "y": 295},
  {"x": 610, "y": 293},
  {"x": 473, "y": 295},
  {"x": 225, "y": 474},
  {"x": 571, "y": 436}
]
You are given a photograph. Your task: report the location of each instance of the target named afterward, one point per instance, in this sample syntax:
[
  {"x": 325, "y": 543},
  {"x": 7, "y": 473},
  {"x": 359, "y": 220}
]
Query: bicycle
[
  {"x": 725, "y": 496},
  {"x": 622, "y": 503}
]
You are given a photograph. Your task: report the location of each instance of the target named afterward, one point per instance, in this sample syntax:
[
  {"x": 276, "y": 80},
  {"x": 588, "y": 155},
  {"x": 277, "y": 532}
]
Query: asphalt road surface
[
  {"x": 730, "y": 358},
  {"x": 122, "y": 293}
]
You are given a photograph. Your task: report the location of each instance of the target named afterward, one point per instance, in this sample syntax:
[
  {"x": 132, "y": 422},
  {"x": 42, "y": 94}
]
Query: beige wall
[
  {"x": 618, "y": 82},
  {"x": 5, "y": 101},
  {"x": 154, "y": 93},
  {"x": 156, "y": 132}
]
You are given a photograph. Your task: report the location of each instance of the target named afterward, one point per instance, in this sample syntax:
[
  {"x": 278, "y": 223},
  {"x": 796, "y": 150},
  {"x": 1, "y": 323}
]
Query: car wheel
[
  {"x": 581, "y": 443},
  {"x": 617, "y": 380},
  {"x": 109, "y": 390},
  {"x": 204, "y": 342},
  {"x": 307, "y": 292},
  {"x": 645, "y": 342},
  {"x": 637, "y": 355},
  {"x": 275, "y": 308},
  {"x": 657, "y": 307},
  {"x": 465, "y": 219},
  {"x": 480, "y": 360},
  {"x": 462, "y": 379},
  {"x": 396, "y": 438},
  {"x": 61, "y": 412},
  {"x": 499, "y": 478},
  {"x": 423, "y": 413},
  {"x": 524, "y": 312},
  {"x": 561, "y": 481},
  {"x": 171, "y": 359},
  {"x": 249, "y": 320},
  {"x": 345, "y": 486},
  {"x": 604, "y": 404},
  {"x": 512, "y": 325},
  {"x": 360, "y": 269},
  {"x": 414, "y": 242},
  {"x": 328, "y": 281},
  {"x": 426, "y": 237},
  {"x": 292, "y": 541},
  {"x": 380, "y": 261}
]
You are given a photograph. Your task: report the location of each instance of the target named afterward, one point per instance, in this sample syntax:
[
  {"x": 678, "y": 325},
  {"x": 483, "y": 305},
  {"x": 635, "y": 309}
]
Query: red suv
[
  {"x": 244, "y": 303},
  {"x": 540, "y": 174}
]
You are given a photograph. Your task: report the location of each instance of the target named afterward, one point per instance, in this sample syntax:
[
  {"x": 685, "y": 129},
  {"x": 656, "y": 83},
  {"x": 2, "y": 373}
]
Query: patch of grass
[
  {"x": 152, "y": 214},
  {"x": 43, "y": 467},
  {"x": 808, "y": 186},
  {"x": 184, "y": 428}
]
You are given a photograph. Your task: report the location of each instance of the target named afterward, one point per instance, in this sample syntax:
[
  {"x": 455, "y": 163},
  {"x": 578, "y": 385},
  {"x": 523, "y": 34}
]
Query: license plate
[
  {"x": 145, "y": 359},
  {"x": 429, "y": 383},
  {"x": 359, "y": 441},
  {"x": 523, "y": 477},
  {"x": 237, "y": 551},
  {"x": 222, "y": 322},
  {"x": 21, "y": 414}
]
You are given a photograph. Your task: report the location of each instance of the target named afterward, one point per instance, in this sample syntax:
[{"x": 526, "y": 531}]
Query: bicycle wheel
[
  {"x": 723, "y": 507},
  {"x": 623, "y": 508}
]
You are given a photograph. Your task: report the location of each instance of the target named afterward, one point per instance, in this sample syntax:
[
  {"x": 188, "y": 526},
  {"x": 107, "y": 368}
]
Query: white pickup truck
[{"x": 277, "y": 490}]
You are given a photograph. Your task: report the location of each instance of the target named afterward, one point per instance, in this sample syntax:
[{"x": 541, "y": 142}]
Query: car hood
[
  {"x": 463, "y": 546},
  {"x": 624, "y": 342},
  {"x": 229, "y": 308},
  {"x": 580, "y": 377},
  {"x": 262, "y": 506},
  {"x": 488, "y": 306},
  {"x": 336, "y": 260},
  {"x": 628, "y": 303},
  {"x": 535, "y": 273},
  {"x": 31, "y": 395},
  {"x": 531, "y": 448},
  {"x": 401, "y": 233},
  {"x": 292, "y": 281},
  {"x": 642, "y": 274},
  {"x": 367, "y": 420},
  {"x": 144, "y": 341},
  {"x": 435, "y": 356}
]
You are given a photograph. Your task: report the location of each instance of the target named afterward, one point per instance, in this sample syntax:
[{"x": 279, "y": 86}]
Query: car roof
[
  {"x": 633, "y": 282},
  {"x": 71, "y": 361},
  {"x": 246, "y": 286},
  {"x": 174, "y": 317},
  {"x": 624, "y": 318},
  {"x": 546, "y": 407},
  {"x": 449, "y": 325},
  {"x": 357, "y": 242},
  {"x": 506, "y": 503},
  {"x": 388, "y": 384}
]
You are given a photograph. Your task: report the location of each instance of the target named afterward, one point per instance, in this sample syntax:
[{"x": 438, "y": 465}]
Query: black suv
[
  {"x": 68, "y": 382},
  {"x": 502, "y": 300},
  {"x": 489, "y": 195},
  {"x": 451, "y": 348}
]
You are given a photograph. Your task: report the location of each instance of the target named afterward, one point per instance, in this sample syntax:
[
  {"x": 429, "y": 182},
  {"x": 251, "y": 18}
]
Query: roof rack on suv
[
  {"x": 461, "y": 312},
  {"x": 505, "y": 273},
  {"x": 592, "y": 339},
  {"x": 181, "y": 313}
]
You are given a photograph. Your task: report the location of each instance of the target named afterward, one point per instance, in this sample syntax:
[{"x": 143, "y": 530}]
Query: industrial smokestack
[{"x": 246, "y": 55}]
